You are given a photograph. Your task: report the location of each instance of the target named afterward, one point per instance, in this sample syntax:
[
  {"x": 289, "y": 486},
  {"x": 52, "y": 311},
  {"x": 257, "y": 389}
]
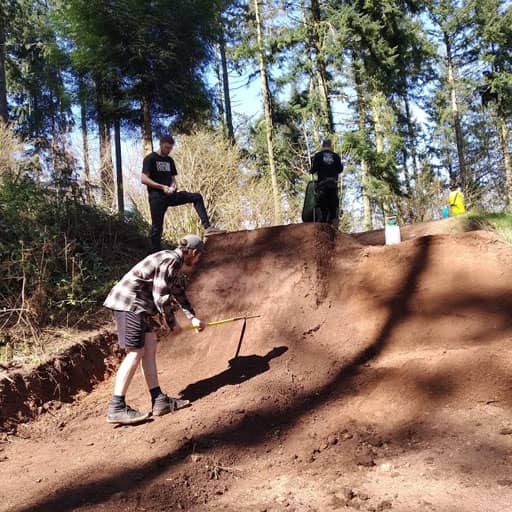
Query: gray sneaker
[
  {"x": 126, "y": 416},
  {"x": 165, "y": 404},
  {"x": 212, "y": 230}
]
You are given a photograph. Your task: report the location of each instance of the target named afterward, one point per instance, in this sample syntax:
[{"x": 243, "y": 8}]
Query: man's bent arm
[
  {"x": 179, "y": 294},
  {"x": 146, "y": 180}
]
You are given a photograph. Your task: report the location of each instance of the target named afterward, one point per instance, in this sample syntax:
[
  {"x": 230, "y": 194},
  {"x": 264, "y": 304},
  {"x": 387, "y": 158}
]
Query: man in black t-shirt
[
  {"x": 159, "y": 175},
  {"x": 327, "y": 165}
]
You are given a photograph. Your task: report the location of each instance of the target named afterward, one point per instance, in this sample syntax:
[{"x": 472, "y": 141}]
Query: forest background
[{"x": 413, "y": 93}]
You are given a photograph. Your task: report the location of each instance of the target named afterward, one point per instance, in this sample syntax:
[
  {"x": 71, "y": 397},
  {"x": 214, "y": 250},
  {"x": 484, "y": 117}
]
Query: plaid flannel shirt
[{"x": 153, "y": 286}]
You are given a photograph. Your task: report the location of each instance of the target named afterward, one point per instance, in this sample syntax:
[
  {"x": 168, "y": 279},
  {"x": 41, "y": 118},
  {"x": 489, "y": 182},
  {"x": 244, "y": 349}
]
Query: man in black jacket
[
  {"x": 159, "y": 175},
  {"x": 327, "y": 165}
]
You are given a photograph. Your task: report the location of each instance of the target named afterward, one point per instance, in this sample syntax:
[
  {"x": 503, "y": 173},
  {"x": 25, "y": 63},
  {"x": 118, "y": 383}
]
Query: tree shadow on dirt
[
  {"x": 253, "y": 428},
  {"x": 396, "y": 306},
  {"x": 240, "y": 369}
]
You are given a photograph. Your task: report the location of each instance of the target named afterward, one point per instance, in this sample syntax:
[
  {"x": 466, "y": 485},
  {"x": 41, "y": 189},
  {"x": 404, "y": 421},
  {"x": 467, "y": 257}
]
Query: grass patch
[{"x": 501, "y": 223}]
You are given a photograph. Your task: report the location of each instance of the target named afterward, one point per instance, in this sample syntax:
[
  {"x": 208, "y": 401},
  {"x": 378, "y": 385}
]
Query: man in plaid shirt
[{"x": 152, "y": 287}]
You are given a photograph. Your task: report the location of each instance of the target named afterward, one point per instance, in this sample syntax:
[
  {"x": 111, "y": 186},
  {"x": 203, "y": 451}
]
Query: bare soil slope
[{"x": 376, "y": 378}]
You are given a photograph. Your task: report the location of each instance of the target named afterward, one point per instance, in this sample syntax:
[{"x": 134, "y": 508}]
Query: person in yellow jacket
[{"x": 456, "y": 200}]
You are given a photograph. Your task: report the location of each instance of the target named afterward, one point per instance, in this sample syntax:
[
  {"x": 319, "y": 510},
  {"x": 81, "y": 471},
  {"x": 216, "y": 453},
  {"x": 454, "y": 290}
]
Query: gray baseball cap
[{"x": 193, "y": 242}]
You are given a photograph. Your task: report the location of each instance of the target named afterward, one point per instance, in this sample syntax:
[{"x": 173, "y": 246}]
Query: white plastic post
[{"x": 392, "y": 231}]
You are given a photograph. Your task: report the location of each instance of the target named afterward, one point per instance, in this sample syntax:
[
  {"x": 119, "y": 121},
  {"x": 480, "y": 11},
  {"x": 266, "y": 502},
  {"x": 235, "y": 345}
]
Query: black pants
[
  {"x": 158, "y": 204},
  {"x": 327, "y": 202}
]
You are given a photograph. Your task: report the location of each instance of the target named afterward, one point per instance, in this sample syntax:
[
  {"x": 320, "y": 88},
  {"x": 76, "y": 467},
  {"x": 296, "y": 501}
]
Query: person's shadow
[{"x": 240, "y": 369}]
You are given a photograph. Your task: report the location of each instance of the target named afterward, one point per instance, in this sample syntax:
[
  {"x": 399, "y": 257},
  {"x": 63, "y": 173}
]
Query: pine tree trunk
[
  {"x": 411, "y": 205},
  {"x": 119, "y": 166},
  {"x": 455, "y": 115},
  {"x": 220, "y": 91},
  {"x": 225, "y": 84},
  {"x": 4, "y": 114},
  {"x": 85, "y": 140},
  {"x": 314, "y": 119},
  {"x": 376, "y": 106},
  {"x": 66, "y": 161},
  {"x": 147, "y": 136},
  {"x": 411, "y": 190},
  {"x": 412, "y": 138},
  {"x": 365, "y": 169},
  {"x": 378, "y": 103},
  {"x": 341, "y": 192},
  {"x": 504, "y": 140},
  {"x": 268, "y": 114},
  {"x": 367, "y": 207},
  {"x": 313, "y": 94},
  {"x": 321, "y": 70},
  {"x": 106, "y": 165},
  {"x": 57, "y": 178}
]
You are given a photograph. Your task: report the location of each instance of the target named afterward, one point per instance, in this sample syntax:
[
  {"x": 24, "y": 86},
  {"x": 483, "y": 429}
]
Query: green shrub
[
  {"x": 499, "y": 222},
  {"x": 58, "y": 256}
]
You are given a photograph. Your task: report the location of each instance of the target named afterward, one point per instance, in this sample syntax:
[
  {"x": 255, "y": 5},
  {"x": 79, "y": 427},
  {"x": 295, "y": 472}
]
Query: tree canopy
[{"x": 414, "y": 93}]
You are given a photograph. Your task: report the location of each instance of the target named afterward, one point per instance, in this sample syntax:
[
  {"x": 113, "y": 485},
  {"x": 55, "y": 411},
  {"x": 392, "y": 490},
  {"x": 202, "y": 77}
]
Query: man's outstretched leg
[{"x": 183, "y": 197}]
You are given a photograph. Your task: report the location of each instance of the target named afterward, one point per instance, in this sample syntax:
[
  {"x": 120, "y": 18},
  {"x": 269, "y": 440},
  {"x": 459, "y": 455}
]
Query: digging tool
[
  {"x": 234, "y": 360},
  {"x": 240, "y": 340},
  {"x": 220, "y": 322}
]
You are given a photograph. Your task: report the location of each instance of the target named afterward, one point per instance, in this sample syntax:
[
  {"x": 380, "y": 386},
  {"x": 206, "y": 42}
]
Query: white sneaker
[{"x": 212, "y": 230}]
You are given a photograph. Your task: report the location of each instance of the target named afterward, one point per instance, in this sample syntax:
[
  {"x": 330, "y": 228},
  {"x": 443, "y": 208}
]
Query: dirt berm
[{"x": 375, "y": 378}]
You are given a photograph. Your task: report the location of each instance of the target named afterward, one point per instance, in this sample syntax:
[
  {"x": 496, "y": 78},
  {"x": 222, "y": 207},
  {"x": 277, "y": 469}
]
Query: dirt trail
[{"x": 376, "y": 378}]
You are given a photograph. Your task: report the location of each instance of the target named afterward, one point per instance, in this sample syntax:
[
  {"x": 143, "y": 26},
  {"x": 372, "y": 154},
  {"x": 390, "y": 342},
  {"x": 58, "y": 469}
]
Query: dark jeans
[
  {"x": 158, "y": 204},
  {"x": 327, "y": 202}
]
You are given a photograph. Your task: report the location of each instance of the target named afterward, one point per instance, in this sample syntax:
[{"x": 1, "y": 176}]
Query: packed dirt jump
[{"x": 375, "y": 378}]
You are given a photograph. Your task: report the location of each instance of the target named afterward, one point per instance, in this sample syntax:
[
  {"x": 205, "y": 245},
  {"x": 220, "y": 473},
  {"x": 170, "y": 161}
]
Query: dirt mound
[
  {"x": 451, "y": 225},
  {"x": 26, "y": 394},
  {"x": 375, "y": 378}
]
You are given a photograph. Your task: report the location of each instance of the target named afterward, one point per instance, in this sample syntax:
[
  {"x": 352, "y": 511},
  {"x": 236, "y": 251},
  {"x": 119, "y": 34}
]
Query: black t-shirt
[
  {"x": 159, "y": 169},
  {"x": 326, "y": 164}
]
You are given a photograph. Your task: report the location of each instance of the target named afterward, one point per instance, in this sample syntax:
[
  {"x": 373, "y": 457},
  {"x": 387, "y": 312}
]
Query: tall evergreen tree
[
  {"x": 317, "y": 36},
  {"x": 228, "y": 36},
  {"x": 4, "y": 18},
  {"x": 451, "y": 19},
  {"x": 493, "y": 25},
  {"x": 368, "y": 35},
  {"x": 41, "y": 104},
  {"x": 267, "y": 104}
]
